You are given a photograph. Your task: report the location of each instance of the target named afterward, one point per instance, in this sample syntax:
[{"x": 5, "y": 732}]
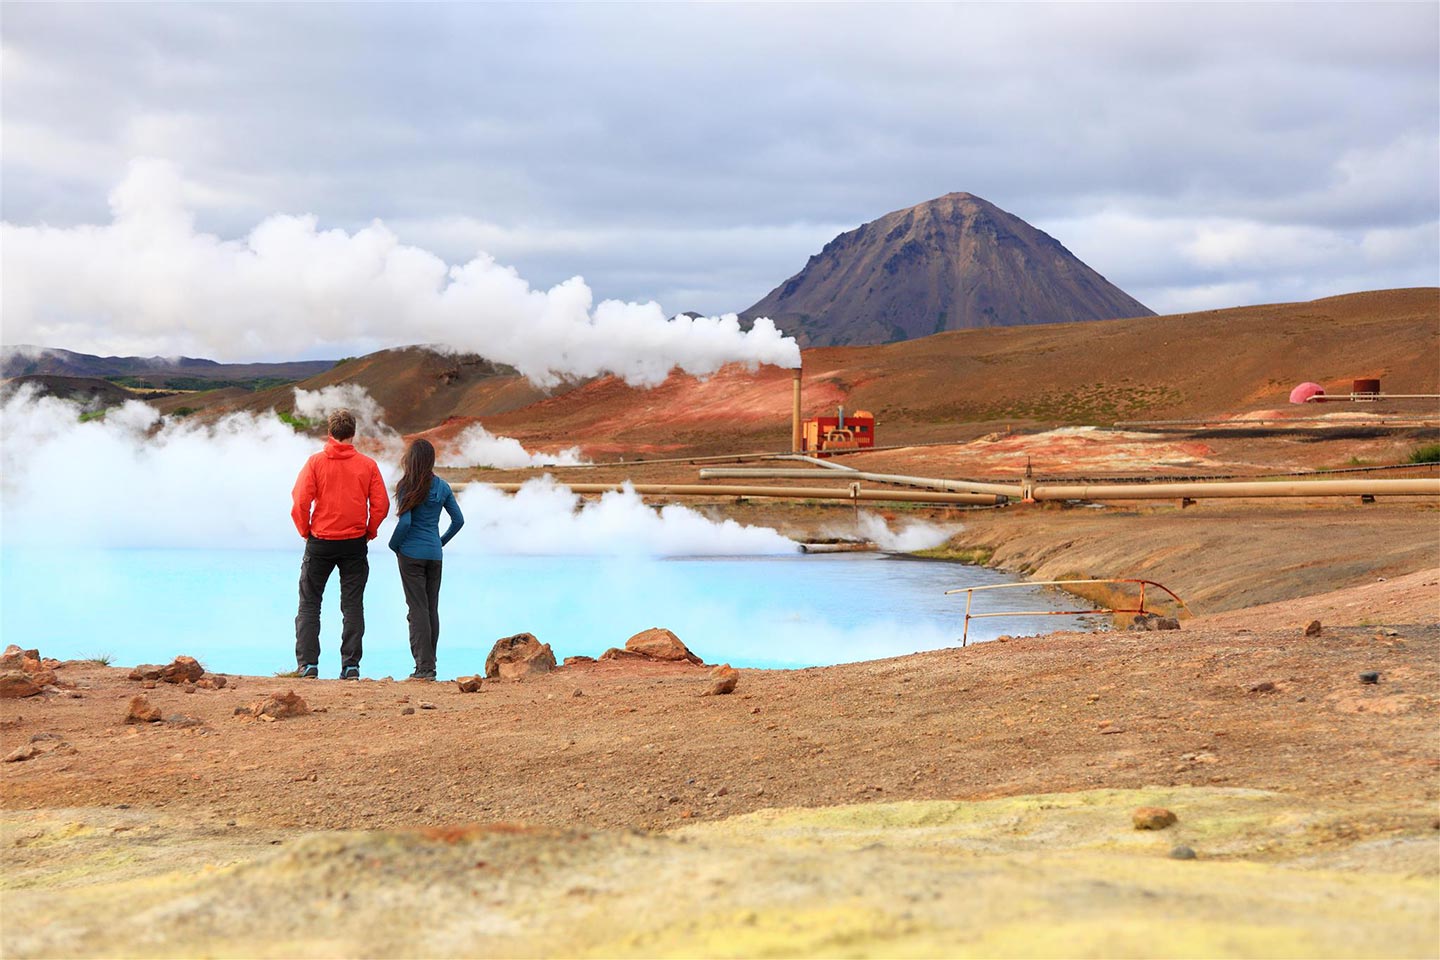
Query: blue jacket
[{"x": 417, "y": 534}]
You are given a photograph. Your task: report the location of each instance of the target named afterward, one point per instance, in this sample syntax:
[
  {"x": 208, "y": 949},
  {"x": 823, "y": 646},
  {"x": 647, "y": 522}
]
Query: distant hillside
[
  {"x": 969, "y": 382},
  {"x": 417, "y": 387},
  {"x": 954, "y": 263},
  {"x": 161, "y": 373}
]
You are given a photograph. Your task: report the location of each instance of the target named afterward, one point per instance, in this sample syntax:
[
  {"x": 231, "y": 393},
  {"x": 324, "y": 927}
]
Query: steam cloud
[
  {"x": 478, "y": 447},
  {"x": 137, "y": 479},
  {"x": 148, "y": 282}
]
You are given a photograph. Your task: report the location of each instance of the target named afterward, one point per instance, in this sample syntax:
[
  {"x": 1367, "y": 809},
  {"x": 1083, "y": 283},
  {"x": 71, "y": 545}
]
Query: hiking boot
[
  {"x": 349, "y": 673},
  {"x": 421, "y": 675},
  {"x": 308, "y": 671}
]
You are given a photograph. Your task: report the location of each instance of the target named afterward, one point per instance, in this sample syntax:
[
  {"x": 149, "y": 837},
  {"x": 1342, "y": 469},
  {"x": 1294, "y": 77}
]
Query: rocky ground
[{"x": 971, "y": 801}]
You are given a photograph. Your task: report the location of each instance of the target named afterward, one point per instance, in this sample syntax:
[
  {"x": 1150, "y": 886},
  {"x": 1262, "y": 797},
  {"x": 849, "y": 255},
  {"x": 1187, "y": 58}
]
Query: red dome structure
[{"x": 1305, "y": 391}]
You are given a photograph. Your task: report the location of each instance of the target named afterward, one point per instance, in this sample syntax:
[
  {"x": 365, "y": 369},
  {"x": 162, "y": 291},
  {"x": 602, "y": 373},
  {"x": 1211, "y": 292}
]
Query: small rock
[
  {"x": 577, "y": 692},
  {"x": 406, "y": 711},
  {"x": 280, "y": 706},
  {"x": 142, "y": 711},
  {"x": 1264, "y": 686},
  {"x": 520, "y": 655},
  {"x": 724, "y": 678},
  {"x": 1181, "y": 852},
  {"x": 1313, "y": 628},
  {"x": 25, "y": 752},
  {"x": 1153, "y": 818},
  {"x": 181, "y": 720},
  {"x": 181, "y": 670},
  {"x": 42, "y": 737},
  {"x": 148, "y": 684},
  {"x": 1389, "y": 632},
  {"x": 241, "y": 711},
  {"x": 426, "y": 705},
  {"x": 570, "y": 661},
  {"x": 146, "y": 671},
  {"x": 211, "y": 682},
  {"x": 1371, "y": 677},
  {"x": 657, "y": 643},
  {"x": 468, "y": 684}
]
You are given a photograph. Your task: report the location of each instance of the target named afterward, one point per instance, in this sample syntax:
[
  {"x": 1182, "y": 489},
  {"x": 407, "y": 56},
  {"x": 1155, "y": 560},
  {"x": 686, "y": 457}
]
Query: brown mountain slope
[
  {"x": 968, "y": 382},
  {"x": 415, "y": 387},
  {"x": 954, "y": 263}
]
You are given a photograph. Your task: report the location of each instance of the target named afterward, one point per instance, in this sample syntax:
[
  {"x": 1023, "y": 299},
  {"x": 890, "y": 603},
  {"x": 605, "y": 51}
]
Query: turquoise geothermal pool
[{"x": 234, "y": 609}]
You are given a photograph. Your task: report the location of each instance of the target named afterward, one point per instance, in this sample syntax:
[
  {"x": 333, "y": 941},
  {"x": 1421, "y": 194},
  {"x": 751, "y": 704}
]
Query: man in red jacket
[{"x": 339, "y": 501}]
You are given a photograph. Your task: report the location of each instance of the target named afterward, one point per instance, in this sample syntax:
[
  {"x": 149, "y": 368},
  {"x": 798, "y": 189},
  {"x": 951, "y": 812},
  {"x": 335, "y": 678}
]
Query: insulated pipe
[
  {"x": 1427, "y": 487},
  {"x": 796, "y": 442},
  {"x": 852, "y": 492},
  {"x": 1121, "y": 491},
  {"x": 924, "y": 483}
]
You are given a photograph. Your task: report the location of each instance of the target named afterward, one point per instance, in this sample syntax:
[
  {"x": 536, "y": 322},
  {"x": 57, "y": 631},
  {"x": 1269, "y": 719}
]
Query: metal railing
[{"x": 970, "y": 591}]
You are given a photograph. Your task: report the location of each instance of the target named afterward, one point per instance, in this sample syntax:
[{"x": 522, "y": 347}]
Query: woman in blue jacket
[{"x": 417, "y": 544}]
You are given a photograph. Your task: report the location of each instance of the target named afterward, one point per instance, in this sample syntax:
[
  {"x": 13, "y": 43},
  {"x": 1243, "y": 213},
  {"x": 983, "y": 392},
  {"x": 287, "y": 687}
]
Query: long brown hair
[{"x": 414, "y": 487}]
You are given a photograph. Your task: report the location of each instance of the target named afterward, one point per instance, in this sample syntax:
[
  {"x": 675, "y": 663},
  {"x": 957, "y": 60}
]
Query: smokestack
[{"x": 795, "y": 439}]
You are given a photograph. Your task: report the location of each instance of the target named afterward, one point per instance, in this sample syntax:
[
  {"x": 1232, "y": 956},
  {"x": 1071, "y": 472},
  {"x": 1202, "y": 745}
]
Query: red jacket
[{"x": 345, "y": 489}]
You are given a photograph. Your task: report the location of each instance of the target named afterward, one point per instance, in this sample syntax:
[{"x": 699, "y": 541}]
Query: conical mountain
[{"x": 953, "y": 263}]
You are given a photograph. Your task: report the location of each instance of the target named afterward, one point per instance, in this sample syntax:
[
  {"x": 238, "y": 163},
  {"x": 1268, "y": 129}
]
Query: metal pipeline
[
  {"x": 924, "y": 483},
  {"x": 852, "y": 492},
  {"x": 1426, "y": 487}
]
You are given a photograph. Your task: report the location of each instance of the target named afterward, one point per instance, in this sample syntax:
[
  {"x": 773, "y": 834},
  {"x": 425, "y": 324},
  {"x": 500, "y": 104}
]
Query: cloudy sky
[{"x": 1199, "y": 156}]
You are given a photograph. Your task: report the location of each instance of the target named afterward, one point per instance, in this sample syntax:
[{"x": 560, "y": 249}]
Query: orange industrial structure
[{"x": 840, "y": 432}]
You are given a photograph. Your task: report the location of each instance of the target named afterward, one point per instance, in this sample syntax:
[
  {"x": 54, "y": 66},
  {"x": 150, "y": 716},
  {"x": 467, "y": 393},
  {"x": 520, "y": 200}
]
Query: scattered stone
[
  {"x": 142, "y": 711},
  {"x": 1264, "y": 686},
  {"x": 724, "y": 678},
  {"x": 519, "y": 656},
  {"x": 242, "y": 711},
  {"x": 1153, "y": 818},
  {"x": 1181, "y": 852},
  {"x": 1389, "y": 632},
  {"x": 212, "y": 682},
  {"x": 146, "y": 671},
  {"x": 577, "y": 692},
  {"x": 406, "y": 711},
  {"x": 181, "y": 720},
  {"x": 15, "y": 684},
  {"x": 1313, "y": 628},
  {"x": 1370, "y": 677},
  {"x": 182, "y": 670},
  {"x": 657, "y": 643},
  {"x": 26, "y": 752},
  {"x": 426, "y": 705},
  {"x": 615, "y": 653},
  {"x": 1153, "y": 621},
  {"x": 468, "y": 684},
  {"x": 569, "y": 661},
  {"x": 147, "y": 684},
  {"x": 280, "y": 706},
  {"x": 42, "y": 737}
]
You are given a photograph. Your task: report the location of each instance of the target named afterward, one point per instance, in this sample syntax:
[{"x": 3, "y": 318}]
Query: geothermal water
[
  {"x": 234, "y": 609},
  {"x": 140, "y": 538}
]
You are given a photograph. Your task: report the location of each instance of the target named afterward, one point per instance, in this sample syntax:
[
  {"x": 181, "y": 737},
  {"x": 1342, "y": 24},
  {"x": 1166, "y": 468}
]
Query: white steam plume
[
  {"x": 136, "y": 479},
  {"x": 148, "y": 282},
  {"x": 478, "y": 447},
  {"x": 908, "y": 537}
]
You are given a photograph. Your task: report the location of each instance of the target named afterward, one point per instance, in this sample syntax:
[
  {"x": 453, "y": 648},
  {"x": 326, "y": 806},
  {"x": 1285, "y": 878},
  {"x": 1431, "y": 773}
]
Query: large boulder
[
  {"x": 519, "y": 656},
  {"x": 657, "y": 643}
]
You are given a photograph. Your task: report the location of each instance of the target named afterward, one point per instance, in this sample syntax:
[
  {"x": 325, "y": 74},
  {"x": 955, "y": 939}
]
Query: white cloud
[{"x": 149, "y": 281}]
